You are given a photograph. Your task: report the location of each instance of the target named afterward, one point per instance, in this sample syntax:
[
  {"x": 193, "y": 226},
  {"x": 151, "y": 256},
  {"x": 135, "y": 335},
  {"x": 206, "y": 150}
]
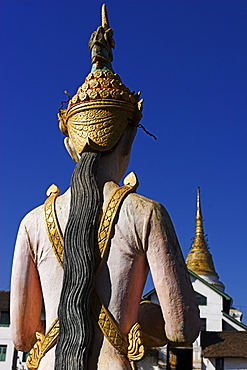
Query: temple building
[
  {"x": 10, "y": 358},
  {"x": 209, "y": 289},
  {"x": 218, "y": 345}
]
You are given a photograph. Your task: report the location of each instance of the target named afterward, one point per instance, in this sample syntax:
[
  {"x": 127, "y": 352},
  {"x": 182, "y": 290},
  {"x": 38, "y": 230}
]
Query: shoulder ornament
[{"x": 51, "y": 223}]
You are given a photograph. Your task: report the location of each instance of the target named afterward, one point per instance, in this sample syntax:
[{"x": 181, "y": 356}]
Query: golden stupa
[{"x": 199, "y": 259}]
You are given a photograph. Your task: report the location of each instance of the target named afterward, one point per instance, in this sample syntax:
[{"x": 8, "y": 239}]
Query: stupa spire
[
  {"x": 199, "y": 259},
  {"x": 199, "y": 239}
]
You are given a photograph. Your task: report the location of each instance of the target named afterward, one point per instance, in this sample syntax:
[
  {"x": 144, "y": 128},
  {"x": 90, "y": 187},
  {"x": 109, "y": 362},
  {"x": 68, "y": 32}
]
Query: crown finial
[
  {"x": 101, "y": 44},
  {"x": 104, "y": 17}
]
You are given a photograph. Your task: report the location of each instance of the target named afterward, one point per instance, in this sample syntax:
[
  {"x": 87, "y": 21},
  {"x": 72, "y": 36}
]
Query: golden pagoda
[{"x": 199, "y": 259}]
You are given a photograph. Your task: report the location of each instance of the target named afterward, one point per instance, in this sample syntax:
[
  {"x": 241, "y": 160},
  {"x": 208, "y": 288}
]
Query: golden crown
[{"x": 103, "y": 106}]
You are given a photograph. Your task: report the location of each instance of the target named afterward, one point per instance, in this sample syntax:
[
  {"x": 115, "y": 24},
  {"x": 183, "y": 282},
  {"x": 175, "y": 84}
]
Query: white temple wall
[
  {"x": 5, "y": 340},
  {"x": 208, "y": 364},
  {"x": 197, "y": 354},
  {"x": 213, "y": 310}
]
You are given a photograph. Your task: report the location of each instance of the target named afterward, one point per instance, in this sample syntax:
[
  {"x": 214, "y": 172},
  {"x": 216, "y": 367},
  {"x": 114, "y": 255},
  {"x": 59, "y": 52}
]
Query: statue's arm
[
  {"x": 26, "y": 295},
  {"x": 171, "y": 280}
]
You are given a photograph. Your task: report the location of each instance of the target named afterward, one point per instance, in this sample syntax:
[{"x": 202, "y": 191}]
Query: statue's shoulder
[
  {"x": 140, "y": 211},
  {"x": 140, "y": 204},
  {"x": 138, "y": 198},
  {"x": 141, "y": 207},
  {"x": 36, "y": 215},
  {"x": 32, "y": 215}
]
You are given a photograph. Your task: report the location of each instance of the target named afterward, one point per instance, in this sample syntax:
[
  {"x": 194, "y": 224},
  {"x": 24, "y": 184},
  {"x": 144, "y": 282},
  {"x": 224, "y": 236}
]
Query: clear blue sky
[{"x": 189, "y": 60}]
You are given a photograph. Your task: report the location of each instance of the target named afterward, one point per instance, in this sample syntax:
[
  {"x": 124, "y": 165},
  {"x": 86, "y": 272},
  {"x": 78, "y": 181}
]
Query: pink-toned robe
[{"x": 143, "y": 239}]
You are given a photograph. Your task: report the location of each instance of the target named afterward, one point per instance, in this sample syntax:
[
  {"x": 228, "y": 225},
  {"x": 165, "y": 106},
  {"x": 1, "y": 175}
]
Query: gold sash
[{"x": 130, "y": 345}]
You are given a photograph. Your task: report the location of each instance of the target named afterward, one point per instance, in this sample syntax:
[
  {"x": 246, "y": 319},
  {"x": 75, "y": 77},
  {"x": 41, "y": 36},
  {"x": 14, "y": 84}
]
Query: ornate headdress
[{"x": 99, "y": 112}]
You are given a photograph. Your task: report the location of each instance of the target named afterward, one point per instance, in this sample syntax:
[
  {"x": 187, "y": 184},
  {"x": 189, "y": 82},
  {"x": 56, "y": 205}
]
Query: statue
[{"x": 86, "y": 254}]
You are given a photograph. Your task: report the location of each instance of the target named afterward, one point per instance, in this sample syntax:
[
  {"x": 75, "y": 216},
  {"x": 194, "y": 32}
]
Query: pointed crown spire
[
  {"x": 199, "y": 259},
  {"x": 104, "y": 17},
  {"x": 101, "y": 44}
]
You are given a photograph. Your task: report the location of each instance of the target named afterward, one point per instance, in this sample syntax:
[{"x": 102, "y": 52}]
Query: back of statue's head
[{"x": 99, "y": 113}]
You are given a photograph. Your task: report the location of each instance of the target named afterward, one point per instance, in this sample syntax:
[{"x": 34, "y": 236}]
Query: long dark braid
[{"x": 75, "y": 337}]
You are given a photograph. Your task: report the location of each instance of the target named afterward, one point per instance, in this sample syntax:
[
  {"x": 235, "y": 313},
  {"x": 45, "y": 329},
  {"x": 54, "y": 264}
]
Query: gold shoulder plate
[
  {"x": 53, "y": 189},
  {"x": 51, "y": 223},
  {"x": 131, "y": 180},
  {"x": 112, "y": 208}
]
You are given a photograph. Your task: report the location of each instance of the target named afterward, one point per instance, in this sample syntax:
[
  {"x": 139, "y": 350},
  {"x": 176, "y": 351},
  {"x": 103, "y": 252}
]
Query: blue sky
[{"x": 188, "y": 58}]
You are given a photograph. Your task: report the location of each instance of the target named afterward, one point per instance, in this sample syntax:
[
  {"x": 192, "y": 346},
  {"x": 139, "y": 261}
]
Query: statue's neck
[{"x": 108, "y": 170}]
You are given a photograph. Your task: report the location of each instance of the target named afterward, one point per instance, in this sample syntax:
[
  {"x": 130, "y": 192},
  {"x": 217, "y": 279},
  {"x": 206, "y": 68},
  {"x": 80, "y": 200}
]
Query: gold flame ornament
[{"x": 103, "y": 106}]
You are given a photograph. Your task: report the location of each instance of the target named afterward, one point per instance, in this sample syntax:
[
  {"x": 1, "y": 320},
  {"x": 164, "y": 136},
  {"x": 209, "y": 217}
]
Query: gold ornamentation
[
  {"x": 104, "y": 93},
  {"x": 52, "y": 226},
  {"x": 62, "y": 122},
  {"x": 115, "y": 83},
  {"x": 112, "y": 207},
  {"x": 96, "y": 127},
  {"x": 74, "y": 99},
  {"x": 82, "y": 96},
  {"x": 102, "y": 90},
  {"x": 136, "y": 348},
  {"x": 105, "y": 83},
  {"x": 104, "y": 17},
  {"x": 108, "y": 325},
  {"x": 42, "y": 346},
  {"x": 110, "y": 74},
  {"x": 92, "y": 94},
  {"x": 102, "y": 80},
  {"x": 98, "y": 73},
  {"x": 93, "y": 84},
  {"x": 130, "y": 345},
  {"x": 84, "y": 86}
]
